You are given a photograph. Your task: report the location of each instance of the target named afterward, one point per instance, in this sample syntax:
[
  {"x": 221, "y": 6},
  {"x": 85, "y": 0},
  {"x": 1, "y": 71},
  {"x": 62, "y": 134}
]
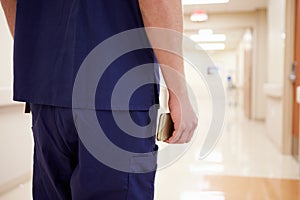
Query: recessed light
[
  {"x": 199, "y": 16},
  {"x": 207, "y": 35}
]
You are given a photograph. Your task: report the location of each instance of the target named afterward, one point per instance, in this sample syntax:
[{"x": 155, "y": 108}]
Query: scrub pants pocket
[{"x": 141, "y": 180}]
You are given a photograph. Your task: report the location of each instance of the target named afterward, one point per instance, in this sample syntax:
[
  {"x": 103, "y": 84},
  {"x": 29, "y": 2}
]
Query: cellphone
[{"x": 165, "y": 127}]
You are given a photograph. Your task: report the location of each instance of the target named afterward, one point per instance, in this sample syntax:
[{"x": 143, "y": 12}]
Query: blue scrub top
[{"x": 52, "y": 39}]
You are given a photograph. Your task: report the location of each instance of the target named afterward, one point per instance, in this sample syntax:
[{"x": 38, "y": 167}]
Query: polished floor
[
  {"x": 231, "y": 188},
  {"x": 244, "y": 165}
]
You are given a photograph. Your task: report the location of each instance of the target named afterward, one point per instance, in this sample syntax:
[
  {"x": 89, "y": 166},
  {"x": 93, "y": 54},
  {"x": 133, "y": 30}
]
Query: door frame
[
  {"x": 248, "y": 70},
  {"x": 287, "y": 97}
]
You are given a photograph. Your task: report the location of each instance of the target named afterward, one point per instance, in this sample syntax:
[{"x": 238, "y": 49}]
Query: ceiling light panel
[
  {"x": 199, "y": 17},
  {"x": 208, "y": 38},
  {"x": 210, "y": 46},
  {"x": 194, "y": 2}
]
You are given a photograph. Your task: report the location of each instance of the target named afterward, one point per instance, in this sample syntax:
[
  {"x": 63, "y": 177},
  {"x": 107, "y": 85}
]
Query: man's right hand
[
  {"x": 184, "y": 118},
  {"x": 167, "y": 14}
]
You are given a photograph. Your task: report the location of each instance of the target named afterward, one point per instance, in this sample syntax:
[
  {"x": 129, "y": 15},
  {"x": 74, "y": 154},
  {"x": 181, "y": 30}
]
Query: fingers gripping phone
[{"x": 165, "y": 127}]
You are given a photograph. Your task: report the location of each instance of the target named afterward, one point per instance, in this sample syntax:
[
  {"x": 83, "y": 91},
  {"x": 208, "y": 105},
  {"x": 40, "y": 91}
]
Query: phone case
[{"x": 165, "y": 127}]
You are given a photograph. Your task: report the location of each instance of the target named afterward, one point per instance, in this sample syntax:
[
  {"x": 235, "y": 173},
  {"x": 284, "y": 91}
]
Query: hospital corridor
[{"x": 248, "y": 50}]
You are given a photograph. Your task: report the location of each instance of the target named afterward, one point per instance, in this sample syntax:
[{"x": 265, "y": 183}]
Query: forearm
[
  {"x": 167, "y": 14},
  {"x": 9, "y": 7}
]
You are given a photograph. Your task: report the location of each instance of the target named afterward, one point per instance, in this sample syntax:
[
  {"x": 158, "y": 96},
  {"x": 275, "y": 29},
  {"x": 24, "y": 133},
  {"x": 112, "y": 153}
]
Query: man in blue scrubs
[{"x": 51, "y": 40}]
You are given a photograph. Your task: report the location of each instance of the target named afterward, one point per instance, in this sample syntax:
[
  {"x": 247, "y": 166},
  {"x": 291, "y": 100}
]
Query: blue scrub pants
[{"x": 64, "y": 169}]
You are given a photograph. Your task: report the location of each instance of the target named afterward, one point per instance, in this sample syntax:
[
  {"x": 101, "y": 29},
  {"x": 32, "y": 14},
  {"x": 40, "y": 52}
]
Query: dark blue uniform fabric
[
  {"x": 52, "y": 39},
  {"x": 65, "y": 170}
]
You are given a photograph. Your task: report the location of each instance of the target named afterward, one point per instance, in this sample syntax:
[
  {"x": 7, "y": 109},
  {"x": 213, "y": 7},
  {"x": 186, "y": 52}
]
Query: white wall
[
  {"x": 15, "y": 134},
  {"x": 258, "y": 42},
  {"x": 246, "y": 43},
  {"x": 260, "y": 69},
  {"x": 227, "y": 61},
  {"x": 6, "y": 49},
  {"x": 240, "y": 65},
  {"x": 276, "y": 26},
  {"x": 15, "y": 145},
  {"x": 276, "y": 56}
]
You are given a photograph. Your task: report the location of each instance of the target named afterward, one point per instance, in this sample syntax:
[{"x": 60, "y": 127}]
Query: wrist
[{"x": 179, "y": 94}]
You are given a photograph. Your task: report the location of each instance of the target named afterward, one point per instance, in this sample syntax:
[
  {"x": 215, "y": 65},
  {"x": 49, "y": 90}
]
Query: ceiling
[
  {"x": 232, "y": 6},
  {"x": 234, "y": 34}
]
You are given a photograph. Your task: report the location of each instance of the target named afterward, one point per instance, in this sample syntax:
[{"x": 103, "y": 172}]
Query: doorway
[{"x": 295, "y": 137}]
